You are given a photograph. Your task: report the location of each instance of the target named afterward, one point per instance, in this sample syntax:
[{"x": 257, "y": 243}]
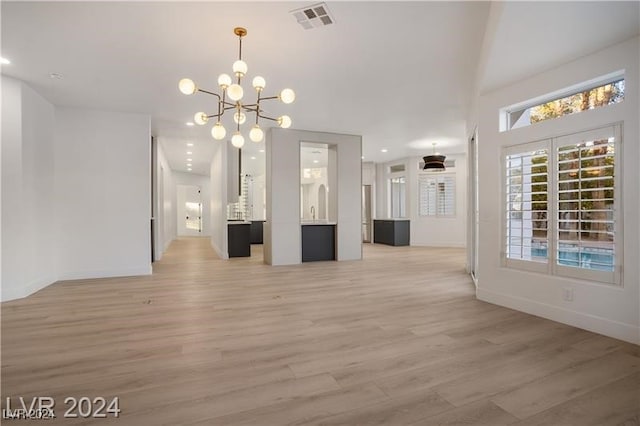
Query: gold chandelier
[{"x": 234, "y": 93}]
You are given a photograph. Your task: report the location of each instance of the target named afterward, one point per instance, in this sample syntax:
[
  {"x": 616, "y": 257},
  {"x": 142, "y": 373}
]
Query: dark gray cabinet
[
  {"x": 239, "y": 239},
  {"x": 318, "y": 242},
  {"x": 257, "y": 231},
  {"x": 391, "y": 232}
]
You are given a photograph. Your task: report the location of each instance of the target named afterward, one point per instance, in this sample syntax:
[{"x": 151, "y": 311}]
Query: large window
[
  {"x": 562, "y": 205},
  {"x": 398, "y": 196},
  {"x": 437, "y": 194},
  {"x": 527, "y": 205}
]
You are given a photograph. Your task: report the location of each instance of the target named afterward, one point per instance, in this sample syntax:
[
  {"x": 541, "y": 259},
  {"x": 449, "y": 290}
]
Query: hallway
[{"x": 397, "y": 338}]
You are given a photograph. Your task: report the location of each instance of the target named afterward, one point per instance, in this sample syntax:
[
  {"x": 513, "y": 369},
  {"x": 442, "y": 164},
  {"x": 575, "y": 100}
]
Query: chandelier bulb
[
  {"x": 235, "y": 92},
  {"x": 256, "y": 134},
  {"x": 240, "y": 68},
  {"x": 239, "y": 117},
  {"x": 287, "y": 96},
  {"x": 259, "y": 83},
  {"x": 284, "y": 121},
  {"x": 224, "y": 81},
  {"x": 218, "y": 131},
  {"x": 187, "y": 86},
  {"x": 200, "y": 118},
  {"x": 237, "y": 140}
]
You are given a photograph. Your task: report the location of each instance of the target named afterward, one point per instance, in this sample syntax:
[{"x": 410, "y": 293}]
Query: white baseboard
[
  {"x": 438, "y": 245},
  {"x": 8, "y": 294},
  {"x": 106, "y": 273},
  {"x": 219, "y": 252},
  {"x": 617, "y": 330}
]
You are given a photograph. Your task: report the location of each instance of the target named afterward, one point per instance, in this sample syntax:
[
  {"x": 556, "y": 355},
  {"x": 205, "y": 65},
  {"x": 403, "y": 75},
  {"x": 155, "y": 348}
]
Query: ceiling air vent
[{"x": 313, "y": 16}]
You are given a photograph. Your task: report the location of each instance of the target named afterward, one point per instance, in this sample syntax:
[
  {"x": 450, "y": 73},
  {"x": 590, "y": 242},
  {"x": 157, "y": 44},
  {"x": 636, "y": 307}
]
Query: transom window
[{"x": 605, "y": 91}]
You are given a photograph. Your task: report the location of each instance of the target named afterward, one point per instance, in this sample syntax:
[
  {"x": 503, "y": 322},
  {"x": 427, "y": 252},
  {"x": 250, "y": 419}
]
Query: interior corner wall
[
  {"x": 218, "y": 200},
  {"x": 282, "y": 232},
  {"x": 28, "y": 260},
  {"x": 607, "y": 309},
  {"x": 102, "y": 193}
]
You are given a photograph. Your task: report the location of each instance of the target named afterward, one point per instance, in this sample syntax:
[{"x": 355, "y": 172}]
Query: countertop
[{"x": 317, "y": 222}]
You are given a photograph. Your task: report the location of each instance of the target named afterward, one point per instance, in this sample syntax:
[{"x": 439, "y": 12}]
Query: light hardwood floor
[{"x": 395, "y": 339}]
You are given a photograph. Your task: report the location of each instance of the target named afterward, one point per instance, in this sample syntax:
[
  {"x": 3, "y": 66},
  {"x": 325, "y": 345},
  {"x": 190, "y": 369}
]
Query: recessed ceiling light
[
  {"x": 189, "y": 123},
  {"x": 315, "y": 161},
  {"x": 189, "y": 169},
  {"x": 253, "y": 158},
  {"x": 56, "y": 76},
  {"x": 384, "y": 150},
  {"x": 189, "y": 152},
  {"x": 262, "y": 150},
  {"x": 362, "y": 158},
  {"x": 189, "y": 159},
  {"x": 4, "y": 61},
  {"x": 189, "y": 144}
]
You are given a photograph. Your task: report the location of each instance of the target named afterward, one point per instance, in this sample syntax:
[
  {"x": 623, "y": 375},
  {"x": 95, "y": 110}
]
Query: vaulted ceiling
[{"x": 401, "y": 74}]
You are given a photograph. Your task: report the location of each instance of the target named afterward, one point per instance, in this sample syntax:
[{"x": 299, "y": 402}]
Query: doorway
[{"x": 189, "y": 209}]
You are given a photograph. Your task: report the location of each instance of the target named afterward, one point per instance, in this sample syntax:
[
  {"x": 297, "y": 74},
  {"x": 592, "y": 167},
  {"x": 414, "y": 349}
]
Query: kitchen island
[
  {"x": 393, "y": 232},
  {"x": 239, "y": 238}
]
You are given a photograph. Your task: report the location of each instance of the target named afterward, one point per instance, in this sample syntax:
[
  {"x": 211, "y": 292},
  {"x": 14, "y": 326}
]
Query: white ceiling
[
  {"x": 400, "y": 74},
  {"x": 532, "y": 37}
]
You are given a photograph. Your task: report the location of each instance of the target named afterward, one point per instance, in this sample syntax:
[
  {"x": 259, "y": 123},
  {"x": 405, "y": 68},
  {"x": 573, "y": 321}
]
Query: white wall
[
  {"x": 444, "y": 231},
  {"x": 165, "y": 203},
  {"x": 218, "y": 201},
  {"x": 282, "y": 232},
  {"x": 380, "y": 210},
  {"x": 28, "y": 260},
  {"x": 102, "y": 193},
  {"x": 606, "y": 309},
  {"x": 75, "y": 192}
]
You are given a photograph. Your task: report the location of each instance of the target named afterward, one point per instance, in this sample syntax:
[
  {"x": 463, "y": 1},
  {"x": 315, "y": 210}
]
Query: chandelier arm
[
  {"x": 269, "y": 97},
  {"x": 209, "y": 93},
  {"x": 258, "y": 108},
  {"x": 267, "y": 118}
]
